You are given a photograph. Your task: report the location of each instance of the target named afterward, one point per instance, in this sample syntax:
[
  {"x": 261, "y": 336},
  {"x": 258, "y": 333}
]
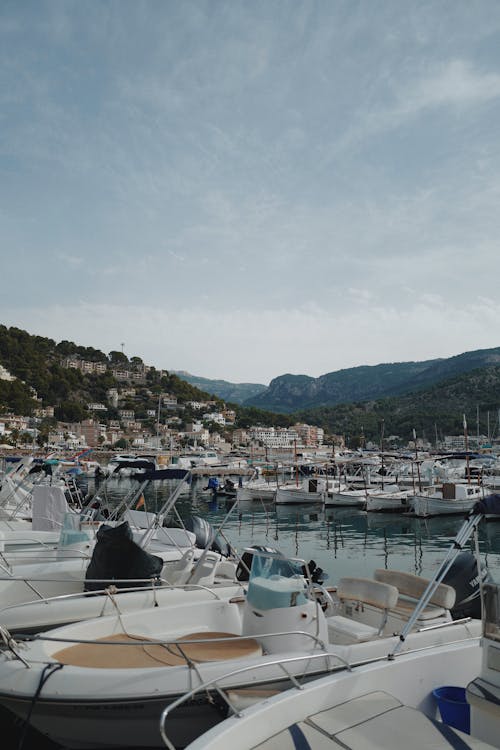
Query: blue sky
[{"x": 244, "y": 189}]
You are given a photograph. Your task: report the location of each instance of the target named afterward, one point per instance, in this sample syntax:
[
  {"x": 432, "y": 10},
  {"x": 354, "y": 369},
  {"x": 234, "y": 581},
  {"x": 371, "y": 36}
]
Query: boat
[
  {"x": 390, "y": 499},
  {"x": 256, "y": 489},
  {"x": 308, "y": 490},
  {"x": 444, "y": 695},
  {"x": 106, "y": 682},
  {"x": 445, "y": 499},
  {"x": 133, "y": 546},
  {"x": 375, "y": 706}
]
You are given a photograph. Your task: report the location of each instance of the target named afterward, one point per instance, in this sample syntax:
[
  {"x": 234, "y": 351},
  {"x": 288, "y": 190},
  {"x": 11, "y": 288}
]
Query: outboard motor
[
  {"x": 463, "y": 576},
  {"x": 206, "y": 536}
]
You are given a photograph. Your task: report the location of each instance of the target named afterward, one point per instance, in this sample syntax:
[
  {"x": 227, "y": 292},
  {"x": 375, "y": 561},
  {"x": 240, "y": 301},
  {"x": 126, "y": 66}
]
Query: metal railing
[{"x": 214, "y": 683}]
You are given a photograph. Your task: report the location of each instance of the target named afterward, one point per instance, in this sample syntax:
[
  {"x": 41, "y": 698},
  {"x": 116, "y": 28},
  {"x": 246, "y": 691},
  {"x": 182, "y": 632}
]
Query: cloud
[
  {"x": 456, "y": 85},
  {"x": 455, "y": 82}
]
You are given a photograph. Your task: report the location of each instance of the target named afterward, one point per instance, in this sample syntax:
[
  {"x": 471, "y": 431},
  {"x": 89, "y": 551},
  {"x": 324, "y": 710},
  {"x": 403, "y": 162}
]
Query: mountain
[
  {"x": 290, "y": 393},
  {"x": 435, "y": 410},
  {"x": 236, "y": 393}
]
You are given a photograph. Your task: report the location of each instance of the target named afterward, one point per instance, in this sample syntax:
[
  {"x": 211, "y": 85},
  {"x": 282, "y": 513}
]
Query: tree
[
  {"x": 70, "y": 411},
  {"x": 118, "y": 358}
]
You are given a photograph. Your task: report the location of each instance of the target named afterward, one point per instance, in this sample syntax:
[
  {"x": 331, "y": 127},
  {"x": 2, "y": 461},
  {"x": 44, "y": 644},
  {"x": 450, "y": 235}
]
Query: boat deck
[{"x": 373, "y": 721}]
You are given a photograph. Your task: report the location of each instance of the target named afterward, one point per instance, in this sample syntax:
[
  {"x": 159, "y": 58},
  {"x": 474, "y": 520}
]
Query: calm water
[{"x": 342, "y": 541}]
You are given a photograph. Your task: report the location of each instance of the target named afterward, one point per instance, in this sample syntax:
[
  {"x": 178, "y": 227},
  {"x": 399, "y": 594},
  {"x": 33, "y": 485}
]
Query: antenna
[{"x": 122, "y": 345}]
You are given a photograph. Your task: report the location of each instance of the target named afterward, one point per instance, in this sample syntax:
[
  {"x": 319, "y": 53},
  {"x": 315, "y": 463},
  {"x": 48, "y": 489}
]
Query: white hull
[
  {"x": 374, "y": 706},
  {"x": 264, "y": 491},
  {"x": 297, "y": 496},
  {"x": 106, "y": 693},
  {"x": 395, "y": 502},
  {"x": 439, "y": 502},
  {"x": 346, "y": 498}
]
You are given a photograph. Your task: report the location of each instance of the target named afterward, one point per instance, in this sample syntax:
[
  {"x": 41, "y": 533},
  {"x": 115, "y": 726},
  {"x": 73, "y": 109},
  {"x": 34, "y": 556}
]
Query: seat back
[{"x": 414, "y": 586}]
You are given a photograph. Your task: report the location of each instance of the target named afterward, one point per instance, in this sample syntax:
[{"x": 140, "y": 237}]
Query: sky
[{"x": 243, "y": 189}]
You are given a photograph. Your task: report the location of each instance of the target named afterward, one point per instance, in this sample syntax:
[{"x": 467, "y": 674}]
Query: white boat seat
[
  {"x": 380, "y": 595},
  {"x": 375, "y": 721},
  {"x": 346, "y": 630},
  {"x": 301, "y": 736},
  {"x": 411, "y": 588},
  {"x": 203, "y": 571},
  {"x": 378, "y": 721}
]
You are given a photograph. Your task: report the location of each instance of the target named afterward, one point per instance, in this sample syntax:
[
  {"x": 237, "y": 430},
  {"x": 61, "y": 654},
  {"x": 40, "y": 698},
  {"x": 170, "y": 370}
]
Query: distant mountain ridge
[
  {"x": 236, "y": 393},
  {"x": 290, "y": 393}
]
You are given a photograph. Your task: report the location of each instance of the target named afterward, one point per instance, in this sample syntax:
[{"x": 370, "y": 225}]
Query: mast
[
  {"x": 466, "y": 451},
  {"x": 382, "y": 450},
  {"x": 416, "y": 461},
  {"x": 158, "y": 425}
]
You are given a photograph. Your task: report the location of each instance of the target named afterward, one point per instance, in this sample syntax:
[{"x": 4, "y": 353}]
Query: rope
[{"x": 47, "y": 672}]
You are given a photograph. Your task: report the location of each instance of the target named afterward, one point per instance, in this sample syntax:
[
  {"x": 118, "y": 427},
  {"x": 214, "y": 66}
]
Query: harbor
[{"x": 337, "y": 542}]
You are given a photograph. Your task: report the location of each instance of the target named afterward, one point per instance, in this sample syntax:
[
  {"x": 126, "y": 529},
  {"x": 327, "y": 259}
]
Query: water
[{"x": 343, "y": 541}]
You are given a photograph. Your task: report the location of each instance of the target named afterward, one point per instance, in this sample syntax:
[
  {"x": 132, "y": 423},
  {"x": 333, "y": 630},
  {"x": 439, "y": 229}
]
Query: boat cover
[{"x": 117, "y": 559}]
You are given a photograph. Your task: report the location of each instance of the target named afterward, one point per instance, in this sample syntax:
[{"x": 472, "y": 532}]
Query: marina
[{"x": 339, "y": 542}]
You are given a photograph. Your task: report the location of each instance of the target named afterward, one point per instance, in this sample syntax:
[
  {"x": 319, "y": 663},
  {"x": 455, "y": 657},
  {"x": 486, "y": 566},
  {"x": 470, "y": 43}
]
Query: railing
[
  {"x": 154, "y": 584},
  {"x": 214, "y": 683}
]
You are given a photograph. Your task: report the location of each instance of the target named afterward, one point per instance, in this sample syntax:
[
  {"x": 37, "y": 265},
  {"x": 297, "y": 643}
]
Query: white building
[
  {"x": 215, "y": 417},
  {"x": 274, "y": 437}
]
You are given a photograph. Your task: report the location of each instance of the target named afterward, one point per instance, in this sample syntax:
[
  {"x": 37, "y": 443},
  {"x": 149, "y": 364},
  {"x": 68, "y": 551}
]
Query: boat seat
[
  {"x": 300, "y": 735},
  {"x": 117, "y": 652},
  {"x": 203, "y": 571},
  {"x": 379, "y": 721},
  {"x": 347, "y": 630},
  {"x": 411, "y": 588}
]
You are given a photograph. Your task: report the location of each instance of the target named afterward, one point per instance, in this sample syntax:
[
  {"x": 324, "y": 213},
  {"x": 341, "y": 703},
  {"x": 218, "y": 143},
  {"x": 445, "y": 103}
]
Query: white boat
[
  {"x": 310, "y": 490},
  {"x": 345, "y": 497},
  {"x": 388, "y": 500},
  {"x": 105, "y": 682},
  {"x": 446, "y": 499},
  {"x": 256, "y": 489},
  {"x": 383, "y": 705},
  {"x": 444, "y": 695}
]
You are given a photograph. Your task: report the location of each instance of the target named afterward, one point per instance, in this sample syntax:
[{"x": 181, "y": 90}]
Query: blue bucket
[{"x": 453, "y": 707}]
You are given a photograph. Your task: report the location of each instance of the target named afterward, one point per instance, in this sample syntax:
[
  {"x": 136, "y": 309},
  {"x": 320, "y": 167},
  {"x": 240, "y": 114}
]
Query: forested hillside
[
  {"x": 36, "y": 362},
  {"x": 289, "y": 393},
  {"x": 438, "y": 409}
]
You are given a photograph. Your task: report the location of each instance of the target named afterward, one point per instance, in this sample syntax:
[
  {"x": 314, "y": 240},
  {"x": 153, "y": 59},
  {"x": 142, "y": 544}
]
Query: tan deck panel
[{"x": 114, "y": 651}]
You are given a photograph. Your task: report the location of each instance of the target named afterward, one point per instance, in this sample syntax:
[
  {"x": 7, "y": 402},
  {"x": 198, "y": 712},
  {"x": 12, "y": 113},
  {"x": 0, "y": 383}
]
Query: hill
[
  {"x": 434, "y": 412},
  {"x": 429, "y": 396},
  {"x": 236, "y": 393},
  {"x": 37, "y": 364},
  {"x": 290, "y": 393}
]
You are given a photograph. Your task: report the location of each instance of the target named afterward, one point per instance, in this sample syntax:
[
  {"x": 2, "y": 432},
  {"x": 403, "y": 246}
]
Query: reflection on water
[{"x": 343, "y": 541}]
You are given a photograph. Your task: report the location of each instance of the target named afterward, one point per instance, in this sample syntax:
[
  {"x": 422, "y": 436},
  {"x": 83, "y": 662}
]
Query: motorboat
[
  {"x": 444, "y": 695},
  {"x": 256, "y": 489},
  {"x": 133, "y": 545},
  {"x": 448, "y": 498},
  {"x": 380, "y": 705},
  {"x": 390, "y": 499},
  {"x": 308, "y": 490},
  {"x": 106, "y": 682}
]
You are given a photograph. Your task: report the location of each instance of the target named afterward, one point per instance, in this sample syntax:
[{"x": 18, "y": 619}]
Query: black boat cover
[{"x": 116, "y": 556}]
